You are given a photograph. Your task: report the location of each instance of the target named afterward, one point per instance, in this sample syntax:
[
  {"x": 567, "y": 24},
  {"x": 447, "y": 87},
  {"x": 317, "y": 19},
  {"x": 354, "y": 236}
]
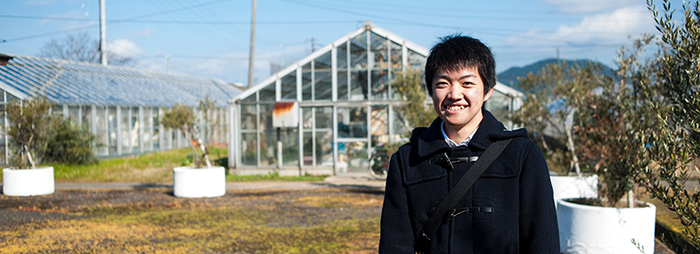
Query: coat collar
[{"x": 430, "y": 140}]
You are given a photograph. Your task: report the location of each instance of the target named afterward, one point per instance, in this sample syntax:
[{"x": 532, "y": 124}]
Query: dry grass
[{"x": 315, "y": 221}]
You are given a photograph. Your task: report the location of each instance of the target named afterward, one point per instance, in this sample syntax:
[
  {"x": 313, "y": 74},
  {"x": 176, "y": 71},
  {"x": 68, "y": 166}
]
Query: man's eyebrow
[
  {"x": 468, "y": 76},
  {"x": 445, "y": 76}
]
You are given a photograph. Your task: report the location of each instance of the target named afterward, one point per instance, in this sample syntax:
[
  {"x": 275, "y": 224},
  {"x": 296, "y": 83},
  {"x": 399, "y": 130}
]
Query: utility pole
[
  {"x": 252, "y": 46},
  {"x": 313, "y": 44},
  {"x": 103, "y": 33}
]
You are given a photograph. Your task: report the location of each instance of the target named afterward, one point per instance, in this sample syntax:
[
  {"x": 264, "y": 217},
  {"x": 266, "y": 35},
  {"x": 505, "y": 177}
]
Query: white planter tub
[
  {"x": 189, "y": 182},
  {"x": 594, "y": 229},
  {"x": 574, "y": 186},
  {"x": 28, "y": 182}
]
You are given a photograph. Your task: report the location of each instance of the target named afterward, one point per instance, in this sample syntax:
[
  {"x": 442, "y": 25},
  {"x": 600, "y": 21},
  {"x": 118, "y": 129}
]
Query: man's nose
[{"x": 455, "y": 92}]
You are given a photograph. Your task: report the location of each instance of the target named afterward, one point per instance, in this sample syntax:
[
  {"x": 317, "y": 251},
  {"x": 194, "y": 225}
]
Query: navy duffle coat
[{"x": 522, "y": 218}]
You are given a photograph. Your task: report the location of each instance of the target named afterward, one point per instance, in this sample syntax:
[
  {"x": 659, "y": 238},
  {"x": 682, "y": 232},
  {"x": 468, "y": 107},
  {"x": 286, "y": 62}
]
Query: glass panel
[
  {"x": 322, "y": 77},
  {"x": 11, "y": 98},
  {"x": 396, "y": 66},
  {"x": 289, "y": 86},
  {"x": 250, "y": 98},
  {"x": 249, "y": 117},
  {"x": 396, "y": 56},
  {"x": 324, "y": 145},
  {"x": 2, "y": 149},
  {"x": 156, "y": 129},
  {"x": 358, "y": 64},
  {"x": 290, "y": 149},
  {"x": 147, "y": 130},
  {"x": 379, "y": 125},
  {"x": 135, "y": 127},
  {"x": 343, "y": 85},
  {"x": 415, "y": 60},
  {"x": 101, "y": 141},
  {"x": 342, "y": 57},
  {"x": 57, "y": 110},
  {"x": 306, "y": 86},
  {"x": 379, "y": 51},
  {"x": 112, "y": 130},
  {"x": 126, "y": 144},
  {"x": 352, "y": 122},
  {"x": 308, "y": 148},
  {"x": 101, "y": 121},
  {"x": 401, "y": 128},
  {"x": 359, "y": 85},
  {"x": 324, "y": 117},
  {"x": 358, "y": 52},
  {"x": 249, "y": 148},
  {"x": 74, "y": 114},
  {"x": 224, "y": 125},
  {"x": 266, "y": 116},
  {"x": 308, "y": 122},
  {"x": 352, "y": 156},
  {"x": 86, "y": 117},
  {"x": 268, "y": 93},
  {"x": 268, "y": 148},
  {"x": 499, "y": 105},
  {"x": 380, "y": 85}
]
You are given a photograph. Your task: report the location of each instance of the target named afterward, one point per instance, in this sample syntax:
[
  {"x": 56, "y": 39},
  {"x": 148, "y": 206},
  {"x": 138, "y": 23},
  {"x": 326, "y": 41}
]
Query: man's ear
[{"x": 488, "y": 95}]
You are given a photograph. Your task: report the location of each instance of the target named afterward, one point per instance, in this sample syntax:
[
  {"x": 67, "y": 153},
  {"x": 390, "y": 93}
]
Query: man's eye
[{"x": 441, "y": 85}]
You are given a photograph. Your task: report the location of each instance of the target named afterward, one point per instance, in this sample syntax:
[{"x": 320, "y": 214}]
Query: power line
[{"x": 113, "y": 21}]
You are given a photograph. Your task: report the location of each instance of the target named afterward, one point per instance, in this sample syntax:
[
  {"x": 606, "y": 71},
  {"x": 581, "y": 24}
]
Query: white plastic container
[
  {"x": 595, "y": 229},
  {"x": 189, "y": 182},
  {"x": 28, "y": 182}
]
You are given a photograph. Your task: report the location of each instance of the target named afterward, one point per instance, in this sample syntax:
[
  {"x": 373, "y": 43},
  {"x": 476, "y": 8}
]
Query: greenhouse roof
[{"x": 79, "y": 83}]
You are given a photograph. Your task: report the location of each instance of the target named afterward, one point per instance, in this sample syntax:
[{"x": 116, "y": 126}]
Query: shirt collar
[{"x": 450, "y": 142}]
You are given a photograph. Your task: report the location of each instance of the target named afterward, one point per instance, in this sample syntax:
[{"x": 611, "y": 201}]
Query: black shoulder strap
[{"x": 464, "y": 184}]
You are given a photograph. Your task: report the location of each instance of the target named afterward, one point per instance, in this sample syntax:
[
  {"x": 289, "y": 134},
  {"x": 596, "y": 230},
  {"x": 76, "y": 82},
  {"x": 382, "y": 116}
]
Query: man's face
[{"x": 458, "y": 97}]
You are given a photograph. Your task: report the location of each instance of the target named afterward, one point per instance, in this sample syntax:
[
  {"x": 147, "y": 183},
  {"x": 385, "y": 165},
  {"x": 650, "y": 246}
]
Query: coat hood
[{"x": 490, "y": 130}]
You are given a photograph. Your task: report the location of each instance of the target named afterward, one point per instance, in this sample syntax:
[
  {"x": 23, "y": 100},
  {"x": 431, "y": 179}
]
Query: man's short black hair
[{"x": 456, "y": 52}]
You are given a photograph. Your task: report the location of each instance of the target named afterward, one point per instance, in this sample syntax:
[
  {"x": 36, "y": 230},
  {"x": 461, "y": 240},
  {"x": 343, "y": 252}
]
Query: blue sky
[{"x": 212, "y": 37}]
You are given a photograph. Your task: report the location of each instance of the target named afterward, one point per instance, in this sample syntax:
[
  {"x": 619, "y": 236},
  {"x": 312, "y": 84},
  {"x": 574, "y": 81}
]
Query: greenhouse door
[{"x": 352, "y": 139}]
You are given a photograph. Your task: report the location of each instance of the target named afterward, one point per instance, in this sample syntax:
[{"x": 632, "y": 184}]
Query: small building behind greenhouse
[
  {"x": 121, "y": 106},
  {"x": 331, "y": 109}
]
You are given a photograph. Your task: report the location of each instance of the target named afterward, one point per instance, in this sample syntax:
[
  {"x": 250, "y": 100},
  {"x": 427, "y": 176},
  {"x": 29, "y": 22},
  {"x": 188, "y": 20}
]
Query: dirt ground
[{"x": 352, "y": 215}]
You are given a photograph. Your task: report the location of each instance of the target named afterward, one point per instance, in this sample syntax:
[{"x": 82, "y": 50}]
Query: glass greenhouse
[
  {"x": 344, "y": 107},
  {"x": 121, "y": 106}
]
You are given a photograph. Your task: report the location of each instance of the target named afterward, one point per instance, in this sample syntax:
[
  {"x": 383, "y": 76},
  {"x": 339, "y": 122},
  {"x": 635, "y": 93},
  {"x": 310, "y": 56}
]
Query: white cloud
[
  {"x": 608, "y": 28},
  {"x": 598, "y": 30},
  {"x": 234, "y": 67},
  {"x": 124, "y": 47},
  {"x": 587, "y": 6}
]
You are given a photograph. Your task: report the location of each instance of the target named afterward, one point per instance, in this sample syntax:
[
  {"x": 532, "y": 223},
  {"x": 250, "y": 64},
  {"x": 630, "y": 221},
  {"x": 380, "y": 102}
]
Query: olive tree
[
  {"x": 28, "y": 130},
  {"x": 552, "y": 97},
  {"x": 181, "y": 117},
  {"x": 675, "y": 140}
]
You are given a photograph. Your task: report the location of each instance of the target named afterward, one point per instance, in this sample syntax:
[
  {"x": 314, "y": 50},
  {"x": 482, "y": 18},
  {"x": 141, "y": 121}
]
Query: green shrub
[{"x": 69, "y": 143}]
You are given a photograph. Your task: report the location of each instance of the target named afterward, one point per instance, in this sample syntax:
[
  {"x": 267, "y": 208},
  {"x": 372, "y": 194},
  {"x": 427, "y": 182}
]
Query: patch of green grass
[
  {"x": 155, "y": 167},
  {"x": 273, "y": 176}
]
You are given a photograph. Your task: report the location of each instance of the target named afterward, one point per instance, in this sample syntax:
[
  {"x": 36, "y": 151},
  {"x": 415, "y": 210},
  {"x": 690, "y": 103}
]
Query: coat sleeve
[
  {"x": 396, "y": 234},
  {"x": 539, "y": 232}
]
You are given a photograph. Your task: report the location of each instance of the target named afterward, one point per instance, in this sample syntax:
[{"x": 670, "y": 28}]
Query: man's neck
[{"x": 461, "y": 133}]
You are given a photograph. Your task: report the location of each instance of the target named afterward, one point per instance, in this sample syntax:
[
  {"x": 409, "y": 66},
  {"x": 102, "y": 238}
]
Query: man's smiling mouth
[{"x": 454, "y": 108}]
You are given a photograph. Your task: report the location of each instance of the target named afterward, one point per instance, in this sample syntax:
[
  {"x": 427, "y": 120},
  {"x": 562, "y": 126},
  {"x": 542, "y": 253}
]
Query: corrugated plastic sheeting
[{"x": 74, "y": 83}]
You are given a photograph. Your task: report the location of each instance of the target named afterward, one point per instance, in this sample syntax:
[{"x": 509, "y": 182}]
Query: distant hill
[{"x": 510, "y": 76}]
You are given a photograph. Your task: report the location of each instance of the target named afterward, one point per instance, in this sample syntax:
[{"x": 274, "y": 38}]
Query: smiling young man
[{"x": 510, "y": 207}]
